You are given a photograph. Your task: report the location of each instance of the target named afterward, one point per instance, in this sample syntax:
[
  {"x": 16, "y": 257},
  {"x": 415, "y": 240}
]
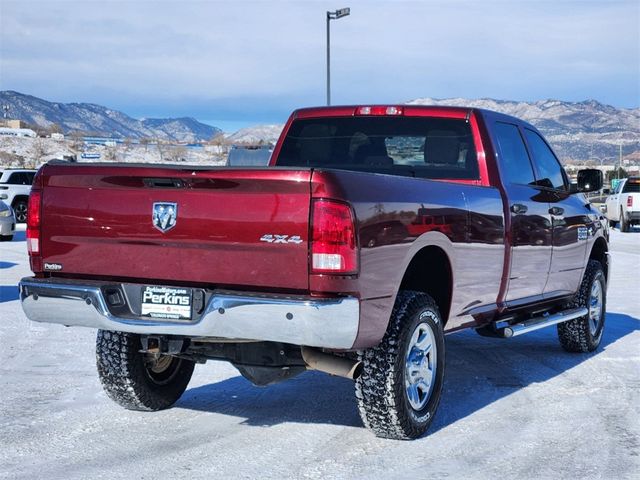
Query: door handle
[
  {"x": 518, "y": 208},
  {"x": 556, "y": 211}
]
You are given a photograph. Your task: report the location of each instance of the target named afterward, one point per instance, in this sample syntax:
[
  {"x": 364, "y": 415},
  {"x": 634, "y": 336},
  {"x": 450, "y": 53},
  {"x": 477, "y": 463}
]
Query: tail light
[
  {"x": 630, "y": 201},
  {"x": 333, "y": 238},
  {"x": 33, "y": 222}
]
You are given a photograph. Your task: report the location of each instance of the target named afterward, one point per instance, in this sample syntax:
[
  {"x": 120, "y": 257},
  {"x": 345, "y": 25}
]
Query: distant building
[
  {"x": 17, "y": 132},
  {"x": 12, "y": 123},
  {"x": 57, "y": 136}
]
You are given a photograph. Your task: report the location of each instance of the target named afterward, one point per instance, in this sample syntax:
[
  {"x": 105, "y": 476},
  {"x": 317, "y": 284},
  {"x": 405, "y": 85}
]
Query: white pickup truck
[
  {"x": 623, "y": 205},
  {"x": 15, "y": 186}
]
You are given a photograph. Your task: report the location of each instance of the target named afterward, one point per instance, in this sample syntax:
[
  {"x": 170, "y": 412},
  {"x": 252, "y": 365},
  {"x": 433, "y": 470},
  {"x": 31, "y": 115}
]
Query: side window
[
  {"x": 618, "y": 188},
  {"x": 514, "y": 159},
  {"x": 20, "y": 178},
  {"x": 547, "y": 165},
  {"x": 14, "y": 179}
]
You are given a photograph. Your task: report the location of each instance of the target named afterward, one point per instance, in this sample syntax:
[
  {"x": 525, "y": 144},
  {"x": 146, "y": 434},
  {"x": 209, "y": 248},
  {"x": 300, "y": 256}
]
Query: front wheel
[
  {"x": 401, "y": 382},
  {"x": 135, "y": 380},
  {"x": 585, "y": 333}
]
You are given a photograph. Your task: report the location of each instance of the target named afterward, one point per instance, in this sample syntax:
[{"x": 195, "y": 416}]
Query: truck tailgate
[{"x": 98, "y": 220}]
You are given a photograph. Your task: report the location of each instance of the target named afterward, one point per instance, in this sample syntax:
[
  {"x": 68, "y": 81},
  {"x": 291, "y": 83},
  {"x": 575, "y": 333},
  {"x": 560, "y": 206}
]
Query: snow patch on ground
[{"x": 519, "y": 408}]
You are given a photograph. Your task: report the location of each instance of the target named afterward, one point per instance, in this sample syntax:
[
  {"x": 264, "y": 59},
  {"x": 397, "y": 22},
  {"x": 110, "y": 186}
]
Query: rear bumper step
[
  {"x": 542, "y": 322},
  {"x": 314, "y": 322}
]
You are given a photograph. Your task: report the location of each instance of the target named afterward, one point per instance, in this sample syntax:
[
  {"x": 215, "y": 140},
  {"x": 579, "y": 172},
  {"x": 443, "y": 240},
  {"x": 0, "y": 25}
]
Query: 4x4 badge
[{"x": 165, "y": 215}]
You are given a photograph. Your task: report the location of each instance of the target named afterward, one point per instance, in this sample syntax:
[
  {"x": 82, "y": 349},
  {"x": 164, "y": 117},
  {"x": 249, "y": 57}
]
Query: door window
[
  {"x": 19, "y": 178},
  {"x": 549, "y": 169},
  {"x": 514, "y": 159}
]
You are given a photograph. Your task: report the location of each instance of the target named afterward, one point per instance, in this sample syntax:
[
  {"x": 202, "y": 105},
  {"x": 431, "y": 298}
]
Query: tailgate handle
[{"x": 163, "y": 182}]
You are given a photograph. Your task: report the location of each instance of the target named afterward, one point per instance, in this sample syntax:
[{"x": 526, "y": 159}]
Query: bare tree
[
  {"x": 77, "y": 142},
  {"x": 111, "y": 154},
  {"x": 221, "y": 143},
  {"x": 39, "y": 150},
  {"x": 218, "y": 139},
  {"x": 53, "y": 128},
  {"x": 145, "y": 141},
  {"x": 180, "y": 153},
  {"x": 162, "y": 149},
  {"x": 173, "y": 153}
]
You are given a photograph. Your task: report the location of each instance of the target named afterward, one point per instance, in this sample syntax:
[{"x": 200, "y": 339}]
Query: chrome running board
[{"x": 540, "y": 322}]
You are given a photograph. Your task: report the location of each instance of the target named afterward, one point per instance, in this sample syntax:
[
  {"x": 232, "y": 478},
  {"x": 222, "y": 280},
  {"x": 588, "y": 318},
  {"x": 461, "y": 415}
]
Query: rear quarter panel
[{"x": 470, "y": 230}]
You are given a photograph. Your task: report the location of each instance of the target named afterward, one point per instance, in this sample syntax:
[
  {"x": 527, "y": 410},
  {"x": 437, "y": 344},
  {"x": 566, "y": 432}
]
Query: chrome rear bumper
[{"x": 314, "y": 322}]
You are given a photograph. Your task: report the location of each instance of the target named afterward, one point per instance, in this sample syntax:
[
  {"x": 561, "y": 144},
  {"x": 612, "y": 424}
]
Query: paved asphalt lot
[{"x": 519, "y": 408}]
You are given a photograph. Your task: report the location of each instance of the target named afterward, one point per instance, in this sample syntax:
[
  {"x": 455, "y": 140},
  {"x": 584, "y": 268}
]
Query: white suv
[{"x": 15, "y": 186}]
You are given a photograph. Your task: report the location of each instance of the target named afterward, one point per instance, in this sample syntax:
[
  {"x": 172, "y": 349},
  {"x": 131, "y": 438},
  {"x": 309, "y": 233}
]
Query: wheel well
[
  {"x": 599, "y": 253},
  {"x": 17, "y": 198},
  {"x": 430, "y": 272}
]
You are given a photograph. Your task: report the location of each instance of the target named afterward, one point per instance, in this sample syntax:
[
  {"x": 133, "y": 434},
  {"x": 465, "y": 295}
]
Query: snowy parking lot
[{"x": 518, "y": 408}]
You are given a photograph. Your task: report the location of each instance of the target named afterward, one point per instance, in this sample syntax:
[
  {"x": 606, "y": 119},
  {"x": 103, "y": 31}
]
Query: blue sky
[{"x": 235, "y": 63}]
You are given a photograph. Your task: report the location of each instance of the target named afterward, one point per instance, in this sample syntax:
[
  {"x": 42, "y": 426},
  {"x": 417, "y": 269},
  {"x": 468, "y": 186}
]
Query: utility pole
[
  {"x": 328, "y": 58},
  {"x": 621, "y": 155},
  {"x": 341, "y": 12}
]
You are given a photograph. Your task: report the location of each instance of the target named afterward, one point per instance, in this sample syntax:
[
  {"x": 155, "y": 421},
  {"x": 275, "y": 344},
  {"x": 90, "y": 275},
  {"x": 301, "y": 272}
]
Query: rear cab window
[
  {"x": 423, "y": 147},
  {"x": 632, "y": 185}
]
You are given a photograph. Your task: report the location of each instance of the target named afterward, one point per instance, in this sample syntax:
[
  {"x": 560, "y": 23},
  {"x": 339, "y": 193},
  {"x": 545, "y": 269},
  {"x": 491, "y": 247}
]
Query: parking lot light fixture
[{"x": 341, "y": 12}]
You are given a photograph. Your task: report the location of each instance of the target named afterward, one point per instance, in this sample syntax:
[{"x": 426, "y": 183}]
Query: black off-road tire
[
  {"x": 577, "y": 335},
  {"x": 380, "y": 390},
  {"x": 6, "y": 238},
  {"x": 130, "y": 382}
]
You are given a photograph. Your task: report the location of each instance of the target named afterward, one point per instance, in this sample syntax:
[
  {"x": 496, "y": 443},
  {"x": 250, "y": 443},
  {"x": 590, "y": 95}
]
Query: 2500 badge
[{"x": 166, "y": 303}]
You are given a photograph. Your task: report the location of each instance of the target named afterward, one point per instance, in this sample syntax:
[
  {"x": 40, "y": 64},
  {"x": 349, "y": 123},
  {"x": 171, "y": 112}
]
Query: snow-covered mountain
[
  {"x": 256, "y": 134},
  {"x": 91, "y": 118},
  {"x": 577, "y": 130}
]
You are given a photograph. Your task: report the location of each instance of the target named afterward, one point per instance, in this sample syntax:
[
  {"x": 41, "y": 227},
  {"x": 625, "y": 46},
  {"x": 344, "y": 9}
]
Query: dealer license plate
[{"x": 166, "y": 303}]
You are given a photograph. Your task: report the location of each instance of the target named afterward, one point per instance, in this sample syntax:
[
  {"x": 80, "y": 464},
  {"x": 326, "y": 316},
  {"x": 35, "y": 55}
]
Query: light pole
[{"x": 342, "y": 12}]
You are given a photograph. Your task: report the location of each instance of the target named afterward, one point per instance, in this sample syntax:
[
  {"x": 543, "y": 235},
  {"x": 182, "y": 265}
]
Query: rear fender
[{"x": 377, "y": 312}]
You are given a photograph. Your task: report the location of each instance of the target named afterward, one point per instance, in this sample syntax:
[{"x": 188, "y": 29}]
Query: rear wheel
[
  {"x": 585, "y": 333},
  {"x": 6, "y": 238},
  {"x": 401, "y": 382},
  {"x": 135, "y": 380},
  {"x": 624, "y": 224},
  {"x": 20, "y": 210}
]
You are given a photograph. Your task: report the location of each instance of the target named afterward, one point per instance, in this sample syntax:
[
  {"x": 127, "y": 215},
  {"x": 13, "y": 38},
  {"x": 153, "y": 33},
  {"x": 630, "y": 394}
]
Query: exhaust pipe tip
[
  {"x": 357, "y": 370},
  {"x": 331, "y": 364}
]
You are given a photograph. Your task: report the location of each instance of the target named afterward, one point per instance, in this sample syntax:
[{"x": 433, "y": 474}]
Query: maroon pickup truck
[{"x": 373, "y": 232}]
